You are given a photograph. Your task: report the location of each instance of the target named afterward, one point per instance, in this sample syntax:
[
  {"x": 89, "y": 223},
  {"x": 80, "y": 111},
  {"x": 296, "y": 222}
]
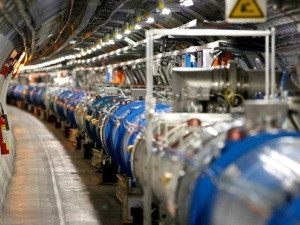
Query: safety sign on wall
[{"x": 246, "y": 11}]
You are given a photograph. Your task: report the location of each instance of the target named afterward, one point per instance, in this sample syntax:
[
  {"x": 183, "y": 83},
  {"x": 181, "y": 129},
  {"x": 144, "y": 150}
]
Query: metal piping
[
  {"x": 69, "y": 12},
  {"x": 216, "y": 24},
  {"x": 7, "y": 17},
  {"x": 27, "y": 20},
  {"x": 103, "y": 24},
  {"x": 92, "y": 5}
]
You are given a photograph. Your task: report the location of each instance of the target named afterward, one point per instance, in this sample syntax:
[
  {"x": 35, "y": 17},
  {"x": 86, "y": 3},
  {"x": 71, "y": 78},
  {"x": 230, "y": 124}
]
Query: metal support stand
[
  {"x": 109, "y": 171},
  {"x": 78, "y": 141},
  {"x": 57, "y": 124},
  {"x": 267, "y": 67},
  {"x": 87, "y": 150},
  {"x": 273, "y": 63},
  {"x": 67, "y": 130},
  {"x": 150, "y": 104}
]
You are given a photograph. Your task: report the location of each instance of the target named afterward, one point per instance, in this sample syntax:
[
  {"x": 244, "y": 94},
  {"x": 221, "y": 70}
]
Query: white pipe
[
  {"x": 273, "y": 85},
  {"x": 209, "y": 32},
  {"x": 150, "y": 101},
  {"x": 267, "y": 69}
]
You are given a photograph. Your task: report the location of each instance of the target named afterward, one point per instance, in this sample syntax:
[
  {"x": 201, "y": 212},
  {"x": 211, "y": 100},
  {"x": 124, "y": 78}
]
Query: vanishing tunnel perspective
[{"x": 150, "y": 112}]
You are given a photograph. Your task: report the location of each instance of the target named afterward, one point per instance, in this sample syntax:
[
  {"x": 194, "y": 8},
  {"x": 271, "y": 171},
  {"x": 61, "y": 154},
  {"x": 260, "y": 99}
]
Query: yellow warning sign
[
  {"x": 60, "y": 19},
  {"x": 246, "y": 9}
]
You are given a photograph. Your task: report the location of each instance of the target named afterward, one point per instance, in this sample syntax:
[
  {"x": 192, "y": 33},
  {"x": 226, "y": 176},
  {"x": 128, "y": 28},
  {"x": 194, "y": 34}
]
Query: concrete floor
[{"x": 52, "y": 184}]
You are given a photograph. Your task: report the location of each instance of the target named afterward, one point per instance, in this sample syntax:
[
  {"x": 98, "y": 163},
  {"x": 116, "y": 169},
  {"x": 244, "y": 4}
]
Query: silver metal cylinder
[
  {"x": 178, "y": 142},
  {"x": 197, "y": 84}
]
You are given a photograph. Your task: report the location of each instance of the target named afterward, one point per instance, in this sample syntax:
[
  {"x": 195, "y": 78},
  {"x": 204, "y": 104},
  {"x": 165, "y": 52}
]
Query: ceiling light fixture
[
  {"x": 111, "y": 42},
  {"x": 186, "y": 3},
  {"x": 165, "y": 11},
  {"x": 162, "y": 8},
  {"x": 119, "y": 36},
  {"x": 128, "y": 28},
  {"x": 137, "y": 27},
  {"x": 150, "y": 20},
  {"x": 127, "y": 31},
  {"x": 22, "y": 57}
]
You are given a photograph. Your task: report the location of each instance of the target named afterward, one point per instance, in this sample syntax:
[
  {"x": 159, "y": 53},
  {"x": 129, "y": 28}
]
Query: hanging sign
[{"x": 246, "y": 11}]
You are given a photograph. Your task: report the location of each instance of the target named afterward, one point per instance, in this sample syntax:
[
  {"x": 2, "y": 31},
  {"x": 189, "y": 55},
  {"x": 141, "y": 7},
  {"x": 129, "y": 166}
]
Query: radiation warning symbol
[{"x": 245, "y": 11}]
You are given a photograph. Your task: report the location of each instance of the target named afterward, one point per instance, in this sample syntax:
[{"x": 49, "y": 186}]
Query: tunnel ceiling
[{"x": 54, "y": 28}]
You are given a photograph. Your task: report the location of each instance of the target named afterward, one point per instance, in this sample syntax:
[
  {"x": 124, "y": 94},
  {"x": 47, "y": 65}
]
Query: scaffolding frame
[{"x": 150, "y": 100}]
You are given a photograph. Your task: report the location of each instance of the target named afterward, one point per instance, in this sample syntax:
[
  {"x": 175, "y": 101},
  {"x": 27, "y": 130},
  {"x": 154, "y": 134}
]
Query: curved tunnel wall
[{"x": 6, "y": 161}]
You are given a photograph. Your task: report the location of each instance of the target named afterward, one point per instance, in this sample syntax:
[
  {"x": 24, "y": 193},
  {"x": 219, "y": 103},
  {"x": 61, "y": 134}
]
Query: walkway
[{"x": 52, "y": 184}]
